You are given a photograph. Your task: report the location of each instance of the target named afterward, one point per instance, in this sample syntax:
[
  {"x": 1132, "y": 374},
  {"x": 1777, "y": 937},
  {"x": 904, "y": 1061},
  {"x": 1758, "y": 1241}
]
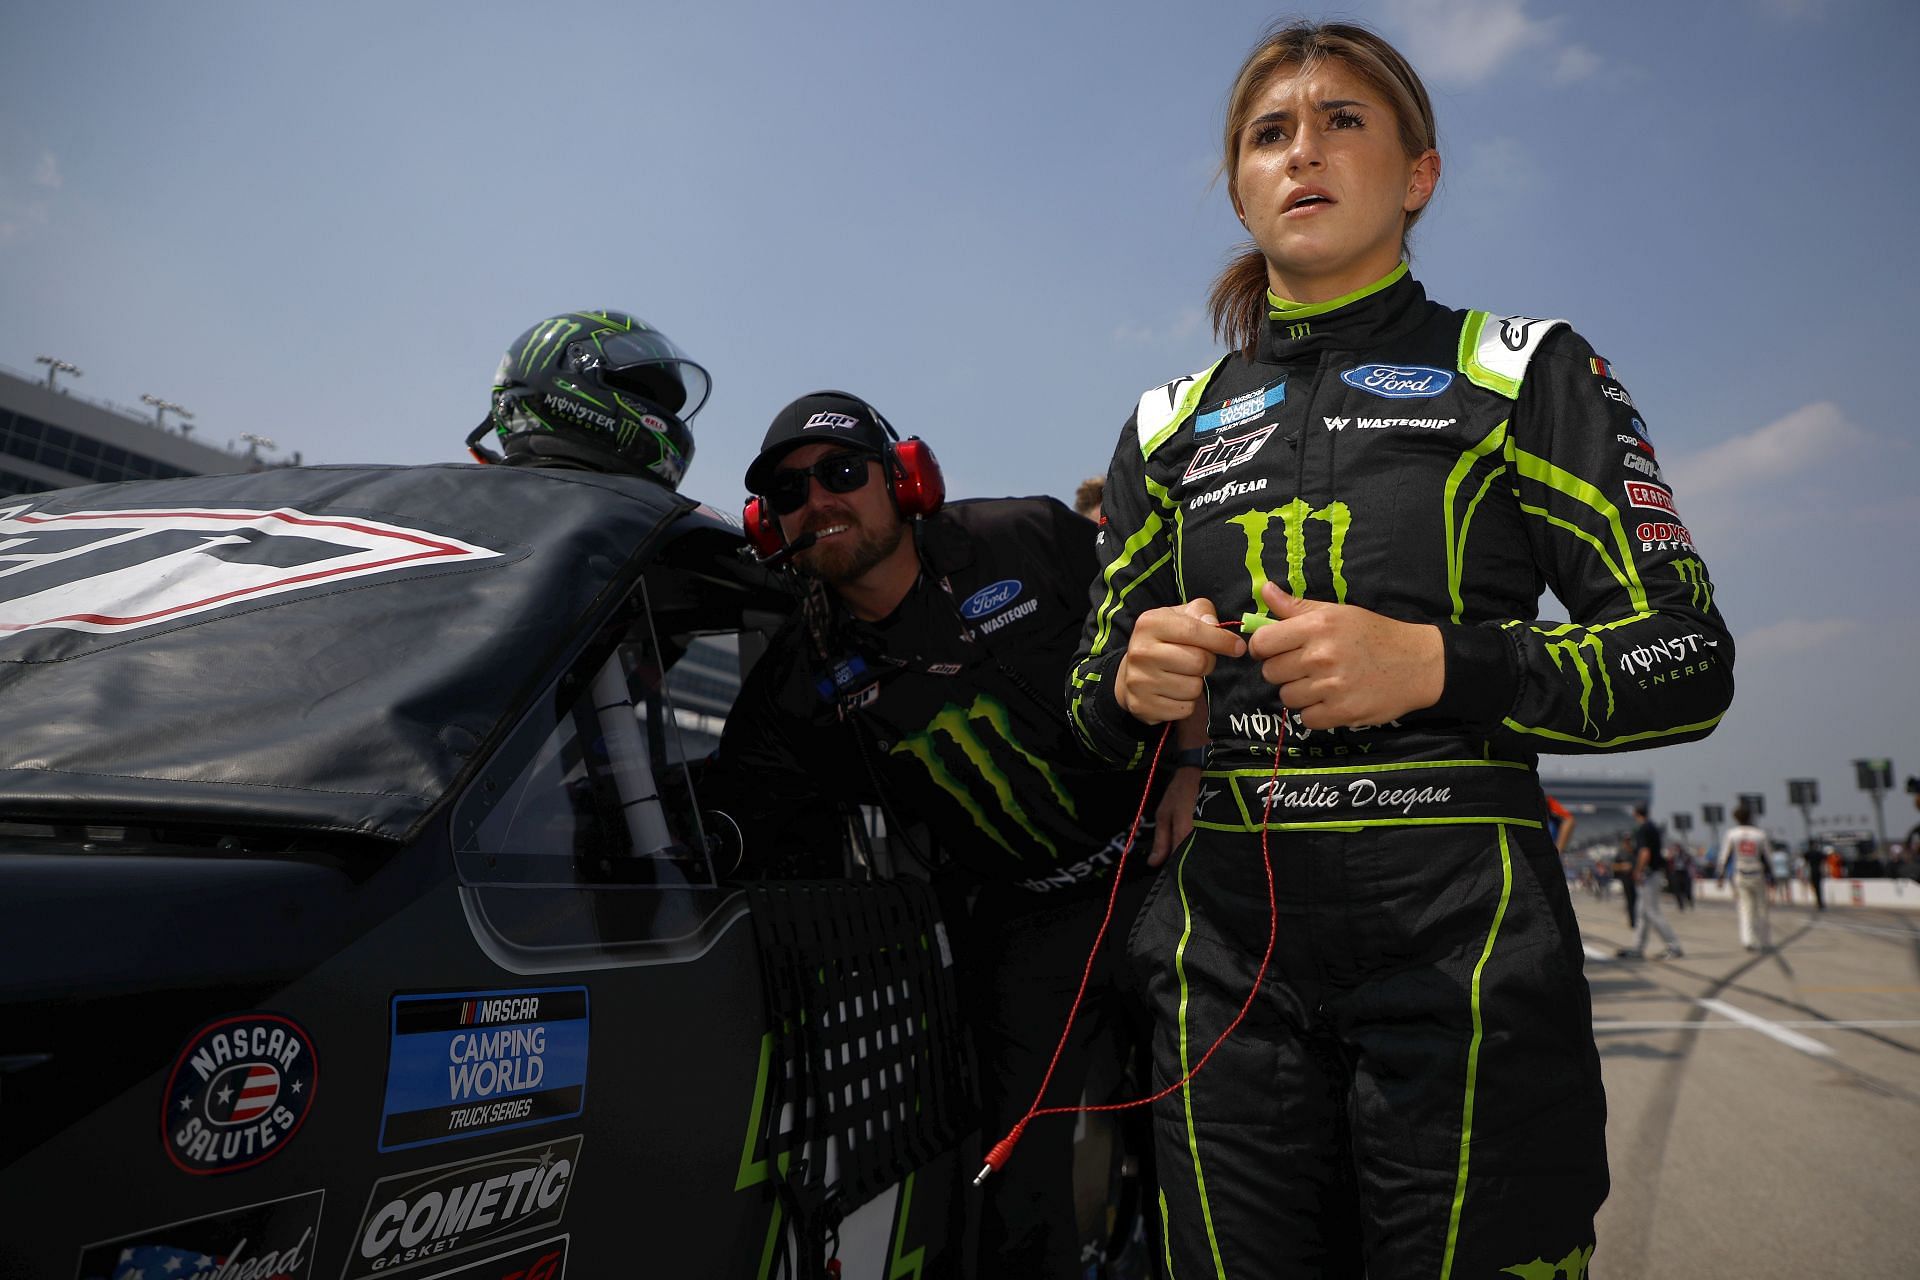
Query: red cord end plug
[{"x": 1001, "y": 1153}]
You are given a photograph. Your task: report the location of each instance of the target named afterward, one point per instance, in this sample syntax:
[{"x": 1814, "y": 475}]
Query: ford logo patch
[
  {"x": 1399, "y": 381},
  {"x": 991, "y": 599}
]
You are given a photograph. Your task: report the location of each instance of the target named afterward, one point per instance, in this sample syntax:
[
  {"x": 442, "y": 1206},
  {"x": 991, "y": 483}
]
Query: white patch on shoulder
[{"x": 1507, "y": 344}]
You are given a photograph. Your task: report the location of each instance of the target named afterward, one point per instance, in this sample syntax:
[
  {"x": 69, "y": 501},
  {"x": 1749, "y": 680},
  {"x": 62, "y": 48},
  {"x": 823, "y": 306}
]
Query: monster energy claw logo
[
  {"x": 1571, "y": 1267},
  {"x": 1567, "y": 653},
  {"x": 1293, "y": 520},
  {"x": 962, "y": 726},
  {"x": 1694, "y": 574}
]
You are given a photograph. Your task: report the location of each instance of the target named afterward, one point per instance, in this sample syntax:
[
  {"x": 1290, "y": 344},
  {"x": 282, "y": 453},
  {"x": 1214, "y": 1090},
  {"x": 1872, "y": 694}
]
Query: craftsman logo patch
[
  {"x": 239, "y": 1091},
  {"x": 463, "y": 1064},
  {"x": 1650, "y": 496},
  {"x": 275, "y": 1238},
  {"x": 108, "y": 572}
]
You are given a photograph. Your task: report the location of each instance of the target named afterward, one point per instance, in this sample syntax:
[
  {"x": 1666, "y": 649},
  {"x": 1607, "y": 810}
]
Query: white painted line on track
[
  {"x": 1595, "y": 953},
  {"x": 1811, "y": 1024},
  {"x": 1792, "y": 1039}
]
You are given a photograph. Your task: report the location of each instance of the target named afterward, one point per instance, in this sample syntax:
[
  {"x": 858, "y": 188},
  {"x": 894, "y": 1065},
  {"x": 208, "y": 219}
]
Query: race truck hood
[{"x": 321, "y": 648}]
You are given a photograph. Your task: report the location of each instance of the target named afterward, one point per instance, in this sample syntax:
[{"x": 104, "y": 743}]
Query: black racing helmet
[{"x": 597, "y": 389}]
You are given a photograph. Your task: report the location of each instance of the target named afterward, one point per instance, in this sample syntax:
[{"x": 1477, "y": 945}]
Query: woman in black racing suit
[{"x": 1373, "y": 489}]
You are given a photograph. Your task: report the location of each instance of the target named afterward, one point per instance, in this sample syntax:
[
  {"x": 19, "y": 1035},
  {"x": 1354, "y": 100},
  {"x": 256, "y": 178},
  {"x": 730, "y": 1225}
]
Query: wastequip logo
[{"x": 109, "y": 572}]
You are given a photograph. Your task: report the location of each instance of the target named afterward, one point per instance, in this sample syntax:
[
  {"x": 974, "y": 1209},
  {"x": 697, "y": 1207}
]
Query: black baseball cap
[{"x": 819, "y": 417}]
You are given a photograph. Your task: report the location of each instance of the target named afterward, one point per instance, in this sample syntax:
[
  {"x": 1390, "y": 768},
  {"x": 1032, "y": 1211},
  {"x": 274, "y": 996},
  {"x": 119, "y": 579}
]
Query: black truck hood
[{"x": 322, "y": 648}]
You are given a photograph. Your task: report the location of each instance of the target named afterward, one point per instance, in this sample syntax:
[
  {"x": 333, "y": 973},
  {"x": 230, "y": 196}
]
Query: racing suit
[
  {"x": 1421, "y": 1050},
  {"x": 1744, "y": 859},
  {"x": 946, "y": 713}
]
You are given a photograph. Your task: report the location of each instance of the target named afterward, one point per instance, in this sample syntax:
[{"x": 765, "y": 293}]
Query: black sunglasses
[{"x": 837, "y": 473}]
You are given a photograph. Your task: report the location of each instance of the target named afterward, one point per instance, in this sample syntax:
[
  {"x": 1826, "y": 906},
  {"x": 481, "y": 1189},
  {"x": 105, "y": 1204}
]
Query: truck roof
[{"x": 324, "y": 648}]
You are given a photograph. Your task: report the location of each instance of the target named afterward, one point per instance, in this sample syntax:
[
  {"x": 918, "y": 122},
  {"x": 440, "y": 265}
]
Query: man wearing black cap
[{"x": 920, "y": 676}]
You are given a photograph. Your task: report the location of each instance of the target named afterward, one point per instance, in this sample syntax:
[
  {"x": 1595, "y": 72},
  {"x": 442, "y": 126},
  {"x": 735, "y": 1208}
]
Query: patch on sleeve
[
  {"x": 1163, "y": 409},
  {"x": 1495, "y": 350}
]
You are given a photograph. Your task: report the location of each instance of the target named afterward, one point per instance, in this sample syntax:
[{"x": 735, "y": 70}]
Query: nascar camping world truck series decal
[
  {"x": 465, "y": 1063},
  {"x": 238, "y": 1092},
  {"x": 274, "y": 1238}
]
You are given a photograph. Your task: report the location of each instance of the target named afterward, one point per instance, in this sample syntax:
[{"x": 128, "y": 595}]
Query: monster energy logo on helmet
[{"x": 601, "y": 390}]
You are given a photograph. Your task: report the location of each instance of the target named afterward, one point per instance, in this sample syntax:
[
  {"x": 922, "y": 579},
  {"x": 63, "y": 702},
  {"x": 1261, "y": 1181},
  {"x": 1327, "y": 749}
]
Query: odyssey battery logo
[{"x": 238, "y": 1093}]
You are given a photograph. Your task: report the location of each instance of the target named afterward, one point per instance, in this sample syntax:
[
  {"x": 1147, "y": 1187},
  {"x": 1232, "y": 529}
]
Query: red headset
[{"x": 913, "y": 480}]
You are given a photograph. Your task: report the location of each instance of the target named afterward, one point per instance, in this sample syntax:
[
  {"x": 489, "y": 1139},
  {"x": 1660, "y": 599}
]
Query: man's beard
[{"x": 849, "y": 556}]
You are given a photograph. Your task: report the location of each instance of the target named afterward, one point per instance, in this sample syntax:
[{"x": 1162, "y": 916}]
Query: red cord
[{"x": 1002, "y": 1151}]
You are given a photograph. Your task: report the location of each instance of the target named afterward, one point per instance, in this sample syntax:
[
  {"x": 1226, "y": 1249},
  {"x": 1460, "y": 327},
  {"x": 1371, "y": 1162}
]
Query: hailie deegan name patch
[{"x": 238, "y": 1092}]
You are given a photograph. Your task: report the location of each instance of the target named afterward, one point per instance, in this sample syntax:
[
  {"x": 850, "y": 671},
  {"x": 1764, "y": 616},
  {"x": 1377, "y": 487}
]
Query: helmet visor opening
[{"x": 647, "y": 363}]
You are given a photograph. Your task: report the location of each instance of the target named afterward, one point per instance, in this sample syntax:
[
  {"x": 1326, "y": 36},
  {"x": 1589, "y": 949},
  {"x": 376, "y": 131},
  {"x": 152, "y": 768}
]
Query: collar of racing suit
[{"x": 1352, "y": 321}]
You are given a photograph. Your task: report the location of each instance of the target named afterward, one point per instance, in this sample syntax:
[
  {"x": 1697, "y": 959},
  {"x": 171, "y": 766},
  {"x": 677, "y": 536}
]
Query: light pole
[
  {"x": 1713, "y": 815},
  {"x": 1804, "y": 792},
  {"x": 160, "y": 408},
  {"x": 1876, "y": 779},
  {"x": 57, "y": 366}
]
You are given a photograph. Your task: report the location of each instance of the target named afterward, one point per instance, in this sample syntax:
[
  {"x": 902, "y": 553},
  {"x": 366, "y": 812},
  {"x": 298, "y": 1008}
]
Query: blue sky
[{"x": 998, "y": 222}]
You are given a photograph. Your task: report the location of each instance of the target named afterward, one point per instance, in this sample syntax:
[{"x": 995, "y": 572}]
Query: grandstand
[{"x": 54, "y": 438}]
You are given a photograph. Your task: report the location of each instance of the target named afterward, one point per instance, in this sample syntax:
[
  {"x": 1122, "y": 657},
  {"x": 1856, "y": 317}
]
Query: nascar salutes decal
[
  {"x": 238, "y": 1092},
  {"x": 107, "y": 572},
  {"x": 1242, "y": 408},
  {"x": 468, "y": 1063},
  {"x": 274, "y": 1238},
  {"x": 546, "y": 1260},
  {"x": 432, "y": 1214}
]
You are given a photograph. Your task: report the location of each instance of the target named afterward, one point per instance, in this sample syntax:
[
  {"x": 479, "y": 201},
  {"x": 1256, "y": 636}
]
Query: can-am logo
[
  {"x": 992, "y": 598},
  {"x": 105, "y": 572},
  {"x": 1398, "y": 381}
]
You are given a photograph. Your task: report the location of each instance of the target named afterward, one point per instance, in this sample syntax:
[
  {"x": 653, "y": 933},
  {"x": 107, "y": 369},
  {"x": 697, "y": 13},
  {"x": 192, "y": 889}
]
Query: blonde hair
[{"x": 1237, "y": 303}]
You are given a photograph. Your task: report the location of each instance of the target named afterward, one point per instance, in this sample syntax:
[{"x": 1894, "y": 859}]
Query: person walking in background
[
  {"x": 1560, "y": 824},
  {"x": 1629, "y": 888},
  {"x": 1680, "y": 877},
  {"x": 1649, "y": 860},
  {"x": 1743, "y": 858},
  {"x": 1370, "y": 488},
  {"x": 1810, "y": 860}
]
